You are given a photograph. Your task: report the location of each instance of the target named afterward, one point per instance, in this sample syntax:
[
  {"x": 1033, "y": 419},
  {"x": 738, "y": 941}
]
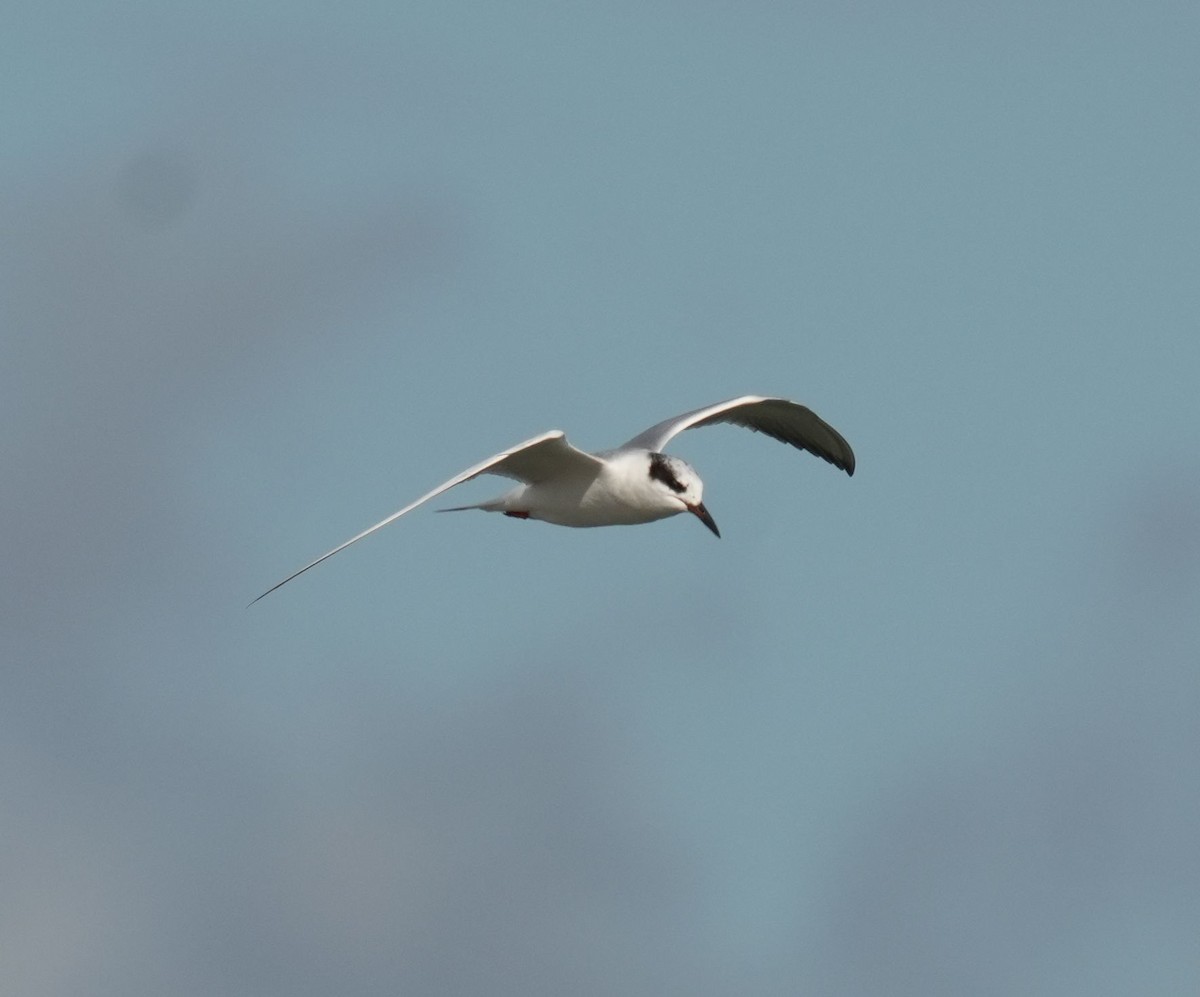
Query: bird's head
[{"x": 679, "y": 485}]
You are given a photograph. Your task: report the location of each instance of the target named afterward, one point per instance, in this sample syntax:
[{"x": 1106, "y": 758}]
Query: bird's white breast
[{"x": 620, "y": 495}]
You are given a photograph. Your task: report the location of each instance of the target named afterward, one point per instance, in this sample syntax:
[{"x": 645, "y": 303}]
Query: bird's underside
[{"x": 566, "y": 486}]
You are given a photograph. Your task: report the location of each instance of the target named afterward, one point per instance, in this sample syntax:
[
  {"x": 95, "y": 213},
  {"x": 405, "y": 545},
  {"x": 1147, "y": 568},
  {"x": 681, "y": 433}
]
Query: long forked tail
[{"x": 492, "y": 505}]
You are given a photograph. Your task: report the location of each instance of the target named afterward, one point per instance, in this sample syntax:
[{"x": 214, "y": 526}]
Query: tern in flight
[{"x": 634, "y": 483}]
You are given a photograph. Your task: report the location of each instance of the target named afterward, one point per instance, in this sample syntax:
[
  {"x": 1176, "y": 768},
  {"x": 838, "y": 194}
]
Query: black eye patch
[{"x": 660, "y": 470}]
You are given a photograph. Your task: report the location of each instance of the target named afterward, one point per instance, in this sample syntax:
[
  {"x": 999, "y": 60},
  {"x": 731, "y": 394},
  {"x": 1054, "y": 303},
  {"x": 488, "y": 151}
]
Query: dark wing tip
[
  {"x": 846, "y": 461},
  {"x": 796, "y": 425},
  {"x": 273, "y": 588}
]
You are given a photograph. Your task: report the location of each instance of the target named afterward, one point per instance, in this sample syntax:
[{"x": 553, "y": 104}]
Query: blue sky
[{"x": 271, "y": 273}]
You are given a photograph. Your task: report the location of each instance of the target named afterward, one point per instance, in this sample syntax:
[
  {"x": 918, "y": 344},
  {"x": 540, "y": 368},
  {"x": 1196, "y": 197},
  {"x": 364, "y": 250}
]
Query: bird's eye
[{"x": 661, "y": 470}]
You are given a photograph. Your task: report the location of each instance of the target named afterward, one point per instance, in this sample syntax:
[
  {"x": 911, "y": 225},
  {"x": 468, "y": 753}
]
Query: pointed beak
[{"x": 702, "y": 514}]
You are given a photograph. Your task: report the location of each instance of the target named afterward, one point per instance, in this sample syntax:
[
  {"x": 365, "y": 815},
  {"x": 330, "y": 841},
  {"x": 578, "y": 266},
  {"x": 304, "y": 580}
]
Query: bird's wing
[
  {"x": 543, "y": 457},
  {"x": 777, "y": 417}
]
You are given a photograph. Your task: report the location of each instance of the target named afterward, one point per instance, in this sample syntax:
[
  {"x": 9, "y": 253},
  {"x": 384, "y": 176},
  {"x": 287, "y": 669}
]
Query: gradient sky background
[{"x": 270, "y": 271}]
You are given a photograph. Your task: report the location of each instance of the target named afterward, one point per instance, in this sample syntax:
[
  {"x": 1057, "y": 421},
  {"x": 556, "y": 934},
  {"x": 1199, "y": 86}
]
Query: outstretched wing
[
  {"x": 543, "y": 457},
  {"x": 777, "y": 417}
]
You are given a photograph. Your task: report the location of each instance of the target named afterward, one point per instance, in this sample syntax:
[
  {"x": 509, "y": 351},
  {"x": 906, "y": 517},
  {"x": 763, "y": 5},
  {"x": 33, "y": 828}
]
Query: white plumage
[{"x": 634, "y": 483}]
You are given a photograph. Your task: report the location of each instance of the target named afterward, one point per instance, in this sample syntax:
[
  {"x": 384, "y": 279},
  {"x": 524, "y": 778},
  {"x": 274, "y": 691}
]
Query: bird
[{"x": 630, "y": 484}]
